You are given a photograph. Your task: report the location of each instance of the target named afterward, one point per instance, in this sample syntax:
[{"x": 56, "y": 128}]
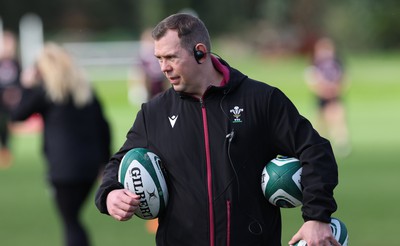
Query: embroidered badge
[{"x": 236, "y": 114}]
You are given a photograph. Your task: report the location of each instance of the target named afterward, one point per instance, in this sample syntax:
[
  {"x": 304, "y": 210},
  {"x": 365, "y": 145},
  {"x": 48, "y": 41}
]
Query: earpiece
[{"x": 198, "y": 54}]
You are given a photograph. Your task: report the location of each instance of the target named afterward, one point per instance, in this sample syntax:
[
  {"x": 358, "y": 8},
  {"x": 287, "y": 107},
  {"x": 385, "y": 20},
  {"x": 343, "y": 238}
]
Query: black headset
[{"x": 198, "y": 55}]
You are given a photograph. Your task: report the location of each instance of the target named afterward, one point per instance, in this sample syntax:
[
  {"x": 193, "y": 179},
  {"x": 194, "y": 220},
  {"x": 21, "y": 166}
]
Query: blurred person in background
[
  {"x": 326, "y": 80},
  {"x": 154, "y": 82},
  {"x": 153, "y": 78},
  {"x": 9, "y": 91},
  {"x": 149, "y": 81},
  {"x": 76, "y": 141}
]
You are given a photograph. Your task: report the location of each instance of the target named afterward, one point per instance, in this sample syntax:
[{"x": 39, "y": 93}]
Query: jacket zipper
[
  {"x": 208, "y": 168},
  {"x": 228, "y": 223}
]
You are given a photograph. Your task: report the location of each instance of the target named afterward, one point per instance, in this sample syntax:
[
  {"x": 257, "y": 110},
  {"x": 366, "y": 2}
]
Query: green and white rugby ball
[{"x": 140, "y": 172}]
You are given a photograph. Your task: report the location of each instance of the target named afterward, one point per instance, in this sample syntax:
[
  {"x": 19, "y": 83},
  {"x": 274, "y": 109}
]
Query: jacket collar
[
  {"x": 223, "y": 69},
  {"x": 232, "y": 78}
]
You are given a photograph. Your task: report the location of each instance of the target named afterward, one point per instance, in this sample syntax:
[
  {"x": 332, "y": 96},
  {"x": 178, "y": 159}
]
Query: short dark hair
[{"x": 191, "y": 30}]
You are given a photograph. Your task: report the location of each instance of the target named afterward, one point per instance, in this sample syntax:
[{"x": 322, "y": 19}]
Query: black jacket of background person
[
  {"x": 267, "y": 124},
  {"x": 76, "y": 142}
]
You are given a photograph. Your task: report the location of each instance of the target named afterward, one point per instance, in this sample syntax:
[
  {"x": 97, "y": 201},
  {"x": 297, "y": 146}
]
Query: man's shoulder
[
  {"x": 238, "y": 78},
  {"x": 253, "y": 84},
  {"x": 161, "y": 100}
]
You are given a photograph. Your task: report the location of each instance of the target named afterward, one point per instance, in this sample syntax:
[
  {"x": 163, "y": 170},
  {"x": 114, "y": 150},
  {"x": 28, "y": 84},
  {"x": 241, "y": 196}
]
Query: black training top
[{"x": 214, "y": 150}]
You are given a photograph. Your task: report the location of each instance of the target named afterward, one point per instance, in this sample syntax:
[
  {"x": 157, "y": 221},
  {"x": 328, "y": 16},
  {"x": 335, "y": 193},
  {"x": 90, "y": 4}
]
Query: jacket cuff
[
  {"x": 101, "y": 196},
  {"x": 322, "y": 217}
]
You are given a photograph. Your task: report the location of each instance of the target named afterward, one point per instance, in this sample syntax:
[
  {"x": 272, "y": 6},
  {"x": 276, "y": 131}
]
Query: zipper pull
[{"x": 201, "y": 102}]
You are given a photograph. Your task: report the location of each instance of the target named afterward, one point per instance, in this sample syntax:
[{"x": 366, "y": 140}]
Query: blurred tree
[
  {"x": 386, "y": 23},
  {"x": 151, "y": 12},
  {"x": 78, "y": 15},
  {"x": 356, "y": 23}
]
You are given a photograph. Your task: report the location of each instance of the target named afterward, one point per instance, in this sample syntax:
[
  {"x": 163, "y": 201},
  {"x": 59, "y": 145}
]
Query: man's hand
[
  {"x": 121, "y": 204},
  {"x": 315, "y": 233}
]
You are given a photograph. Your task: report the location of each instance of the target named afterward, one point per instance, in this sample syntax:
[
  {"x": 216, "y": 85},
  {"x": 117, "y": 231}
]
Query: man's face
[{"x": 177, "y": 64}]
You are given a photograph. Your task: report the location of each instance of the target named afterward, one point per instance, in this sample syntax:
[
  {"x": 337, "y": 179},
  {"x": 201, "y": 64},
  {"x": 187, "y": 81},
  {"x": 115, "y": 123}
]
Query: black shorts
[{"x": 323, "y": 102}]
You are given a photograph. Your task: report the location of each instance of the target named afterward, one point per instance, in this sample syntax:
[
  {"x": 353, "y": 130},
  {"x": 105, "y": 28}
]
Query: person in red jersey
[
  {"x": 326, "y": 80},
  {"x": 10, "y": 91}
]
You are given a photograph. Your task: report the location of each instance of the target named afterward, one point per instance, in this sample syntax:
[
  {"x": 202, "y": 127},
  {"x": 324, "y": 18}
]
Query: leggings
[{"x": 69, "y": 199}]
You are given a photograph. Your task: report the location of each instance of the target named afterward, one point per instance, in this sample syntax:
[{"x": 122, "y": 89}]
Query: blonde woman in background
[{"x": 76, "y": 140}]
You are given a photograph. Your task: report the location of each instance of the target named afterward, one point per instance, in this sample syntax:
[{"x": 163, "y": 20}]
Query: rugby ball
[
  {"x": 140, "y": 172},
  {"x": 280, "y": 182},
  {"x": 339, "y": 231}
]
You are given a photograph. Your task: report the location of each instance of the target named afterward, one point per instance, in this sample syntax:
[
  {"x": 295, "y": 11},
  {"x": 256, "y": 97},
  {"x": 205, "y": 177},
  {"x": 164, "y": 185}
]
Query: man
[{"x": 215, "y": 130}]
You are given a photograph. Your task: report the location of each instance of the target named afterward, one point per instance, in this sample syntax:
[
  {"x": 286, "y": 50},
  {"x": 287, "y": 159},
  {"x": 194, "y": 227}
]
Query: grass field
[{"x": 368, "y": 193}]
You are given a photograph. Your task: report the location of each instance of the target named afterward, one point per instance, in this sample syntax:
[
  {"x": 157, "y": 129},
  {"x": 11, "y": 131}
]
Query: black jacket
[
  {"x": 76, "y": 142},
  {"x": 214, "y": 155}
]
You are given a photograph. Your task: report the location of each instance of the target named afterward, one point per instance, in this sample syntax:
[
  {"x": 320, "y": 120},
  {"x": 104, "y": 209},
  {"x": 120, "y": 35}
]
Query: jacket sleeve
[
  {"x": 136, "y": 137},
  {"x": 33, "y": 100},
  {"x": 104, "y": 131},
  {"x": 293, "y": 135}
]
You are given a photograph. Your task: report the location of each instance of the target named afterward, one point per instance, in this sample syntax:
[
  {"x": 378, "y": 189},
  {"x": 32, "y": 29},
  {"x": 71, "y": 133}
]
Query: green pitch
[{"x": 368, "y": 191}]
